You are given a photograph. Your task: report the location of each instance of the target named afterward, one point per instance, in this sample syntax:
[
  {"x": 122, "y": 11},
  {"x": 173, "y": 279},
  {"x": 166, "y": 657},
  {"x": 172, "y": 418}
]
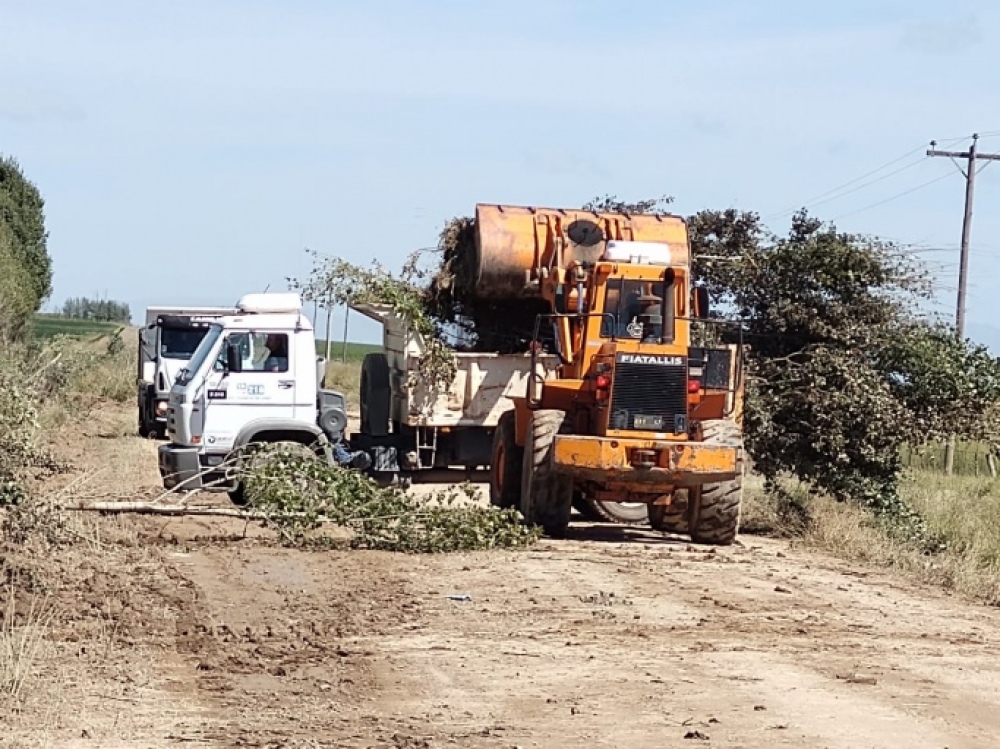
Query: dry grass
[
  {"x": 22, "y": 645},
  {"x": 964, "y": 512},
  {"x": 345, "y": 377}
]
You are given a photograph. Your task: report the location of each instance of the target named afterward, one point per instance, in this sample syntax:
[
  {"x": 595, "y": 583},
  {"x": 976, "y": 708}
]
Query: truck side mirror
[
  {"x": 699, "y": 302},
  {"x": 234, "y": 357}
]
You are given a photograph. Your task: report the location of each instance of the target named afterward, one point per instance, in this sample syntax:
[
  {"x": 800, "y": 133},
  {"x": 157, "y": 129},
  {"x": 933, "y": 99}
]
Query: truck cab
[
  {"x": 253, "y": 379},
  {"x": 166, "y": 343}
]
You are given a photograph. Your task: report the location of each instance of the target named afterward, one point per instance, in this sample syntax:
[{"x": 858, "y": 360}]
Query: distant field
[
  {"x": 48, "y": 326},
  {"x": 355, "y": 351}
]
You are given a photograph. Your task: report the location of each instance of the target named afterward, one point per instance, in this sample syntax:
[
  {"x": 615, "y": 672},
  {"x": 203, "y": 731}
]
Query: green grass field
[
  {"x": 355, "y": 351},
  {"x": 49, "y": 325}
]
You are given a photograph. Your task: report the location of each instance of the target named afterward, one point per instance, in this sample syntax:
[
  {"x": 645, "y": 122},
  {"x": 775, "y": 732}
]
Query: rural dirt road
[{"x": 612, "y": 638}]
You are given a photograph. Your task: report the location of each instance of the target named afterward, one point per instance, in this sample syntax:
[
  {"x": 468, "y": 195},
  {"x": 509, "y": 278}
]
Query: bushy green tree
[
  {"x": 844, "y": 368},
  {"x": 22, "y": 211},
  {"x": 16, "y": 298}
]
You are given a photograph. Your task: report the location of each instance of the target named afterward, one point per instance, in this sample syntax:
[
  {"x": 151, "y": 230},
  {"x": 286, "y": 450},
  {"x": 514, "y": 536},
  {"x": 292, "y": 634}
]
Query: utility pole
[{"x": 971, "y": 156}]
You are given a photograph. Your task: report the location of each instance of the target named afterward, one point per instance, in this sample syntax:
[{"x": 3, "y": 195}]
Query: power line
[
  {"x": 851, "y": 182},
  {"x": 829, "y": 194},
  {"x": 867, "y": 184},
  {"x": 894, "y": 197}
]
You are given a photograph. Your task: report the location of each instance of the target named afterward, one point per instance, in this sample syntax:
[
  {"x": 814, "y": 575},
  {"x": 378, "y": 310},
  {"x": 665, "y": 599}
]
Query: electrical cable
[
  {"x": 893, "y": 197},
  {"x": 849, "y": 183}
]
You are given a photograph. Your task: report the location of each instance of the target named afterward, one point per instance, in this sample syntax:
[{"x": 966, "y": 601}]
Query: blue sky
[{"x": 189, "y": 151}]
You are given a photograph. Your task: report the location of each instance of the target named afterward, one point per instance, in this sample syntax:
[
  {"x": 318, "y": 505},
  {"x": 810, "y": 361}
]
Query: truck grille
[{"x": 649, "y": 394}]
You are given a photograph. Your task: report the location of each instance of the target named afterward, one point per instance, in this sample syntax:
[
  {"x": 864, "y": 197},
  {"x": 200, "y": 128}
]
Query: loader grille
[{"x": 649, "y": 394}]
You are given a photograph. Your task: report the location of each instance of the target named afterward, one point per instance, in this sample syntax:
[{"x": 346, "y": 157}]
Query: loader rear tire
[
  {"x": 506, "y": 465},
  {"x": 623, "y": 513},
  {"x": 714, "y": 509},
  {"x": 672, "y": 518},
  {"x": 546, "y": 497}
]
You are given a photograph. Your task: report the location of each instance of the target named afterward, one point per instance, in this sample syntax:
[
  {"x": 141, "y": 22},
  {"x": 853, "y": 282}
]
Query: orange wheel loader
[{"x": 635, "y": 413}]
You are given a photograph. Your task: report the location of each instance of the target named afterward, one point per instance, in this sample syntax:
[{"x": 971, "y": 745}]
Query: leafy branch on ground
[{"x": 297, "y": 493}]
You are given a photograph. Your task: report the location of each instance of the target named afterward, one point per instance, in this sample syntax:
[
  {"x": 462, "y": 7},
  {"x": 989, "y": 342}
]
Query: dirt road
[{"x": 613, "y": 638}]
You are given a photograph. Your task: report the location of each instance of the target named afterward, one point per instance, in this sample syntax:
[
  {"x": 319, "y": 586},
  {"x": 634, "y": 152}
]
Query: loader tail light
[
  {"x": 603, "y": 385},
  {"x": 694, "y": 386}
]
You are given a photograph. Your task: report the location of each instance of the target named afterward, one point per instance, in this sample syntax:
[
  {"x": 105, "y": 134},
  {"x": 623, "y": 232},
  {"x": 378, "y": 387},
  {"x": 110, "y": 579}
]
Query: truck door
[{"x": 265, "y": 389}]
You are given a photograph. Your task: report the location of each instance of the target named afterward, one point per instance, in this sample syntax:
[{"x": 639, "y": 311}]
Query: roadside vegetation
[{"x": 961, "y": 512}]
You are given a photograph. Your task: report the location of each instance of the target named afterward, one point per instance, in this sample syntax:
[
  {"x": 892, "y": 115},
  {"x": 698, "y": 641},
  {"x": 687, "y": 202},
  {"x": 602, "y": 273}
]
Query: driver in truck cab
[{"x": 275, "y": 354}]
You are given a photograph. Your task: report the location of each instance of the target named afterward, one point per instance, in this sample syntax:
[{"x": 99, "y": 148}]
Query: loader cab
[{"x": 634, "y": 310}]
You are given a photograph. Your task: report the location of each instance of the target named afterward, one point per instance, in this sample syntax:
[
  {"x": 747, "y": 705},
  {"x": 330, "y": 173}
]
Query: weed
[
  {"x": 962, "y": 515},
  {"x": 22, "y": 643},
  {"x": 345, "y": 377}
]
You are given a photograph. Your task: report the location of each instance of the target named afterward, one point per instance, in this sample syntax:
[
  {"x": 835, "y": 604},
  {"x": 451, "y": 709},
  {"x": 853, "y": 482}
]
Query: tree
[
  {"x": 101, "y": 310},
  {"x": 22, "y": 211},
  {"x": 611, "y": 204},
  {"x": 844, "y": 369},
  {"x": 16, "y": 297}
]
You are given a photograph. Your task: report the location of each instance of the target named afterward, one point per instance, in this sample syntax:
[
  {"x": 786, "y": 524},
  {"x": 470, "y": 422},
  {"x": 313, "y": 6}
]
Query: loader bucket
[{"x": 514, "y": 243}]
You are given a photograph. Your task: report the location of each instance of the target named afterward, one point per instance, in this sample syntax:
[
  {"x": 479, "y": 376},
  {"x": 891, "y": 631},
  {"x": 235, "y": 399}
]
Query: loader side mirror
[
  {"x": 234, "y": 357},
  {"x": 699, "y": 302}
]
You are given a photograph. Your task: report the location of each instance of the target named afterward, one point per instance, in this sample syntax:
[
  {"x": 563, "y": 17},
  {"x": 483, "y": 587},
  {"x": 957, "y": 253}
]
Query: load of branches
[{"x": 298, "y": 495}]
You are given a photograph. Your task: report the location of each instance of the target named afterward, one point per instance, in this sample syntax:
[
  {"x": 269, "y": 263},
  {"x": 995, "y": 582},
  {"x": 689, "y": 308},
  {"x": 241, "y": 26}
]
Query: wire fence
[{"x": 971, "y": 459}]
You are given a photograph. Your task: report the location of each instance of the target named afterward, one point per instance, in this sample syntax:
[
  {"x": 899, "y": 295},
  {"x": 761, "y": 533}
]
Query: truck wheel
[
  {"x": 546, "y": 497},
  {"x": 670, "y": 518},
  {"x": 506, "y": 464},
  {"x": 262, "y": 454},
  {"x": 376, "y": 395},
  {"x": 714, "y": 509},
  {"x": 144, "y": 430},
  {"x": 623, "y": 513}
]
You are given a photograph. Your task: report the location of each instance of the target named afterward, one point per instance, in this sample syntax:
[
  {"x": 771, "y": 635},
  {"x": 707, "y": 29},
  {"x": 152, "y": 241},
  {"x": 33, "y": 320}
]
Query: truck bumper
[
  {"x": 180, "y": 467},
  {"x": 645, "y": 462}
]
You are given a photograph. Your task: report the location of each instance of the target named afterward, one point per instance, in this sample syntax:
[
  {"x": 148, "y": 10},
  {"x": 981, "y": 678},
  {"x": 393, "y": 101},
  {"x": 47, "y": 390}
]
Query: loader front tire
[
  {"x": 506, "y": 465},
  {"x": 546, "y": 497},
  {"x": 714, "y": 509}
]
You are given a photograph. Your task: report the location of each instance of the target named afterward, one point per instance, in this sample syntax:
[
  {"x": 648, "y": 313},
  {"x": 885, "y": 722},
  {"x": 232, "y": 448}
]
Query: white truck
[
  {"x": 409, "y": 430},
  {"x": 254, "y": 378},
  {"x": 166, "y": 343}
]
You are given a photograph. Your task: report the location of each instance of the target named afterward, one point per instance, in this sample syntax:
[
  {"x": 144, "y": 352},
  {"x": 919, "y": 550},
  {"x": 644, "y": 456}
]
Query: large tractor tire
[
  {"x": 506, "y": 465},
  {"x": 623, "y": 513},
  {"x": 714, "y": 509},
  {"x": 376, "y": 395},
  {"x": 546, "y": 497},
  {"x": 672, "y": 518}
]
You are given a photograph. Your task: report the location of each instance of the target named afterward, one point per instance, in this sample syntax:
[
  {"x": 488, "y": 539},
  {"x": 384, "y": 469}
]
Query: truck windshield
[
  {"x": 200, "y": 355},
  {"x": 634, "y": 307},
  {"x": 180, "y": 343}
]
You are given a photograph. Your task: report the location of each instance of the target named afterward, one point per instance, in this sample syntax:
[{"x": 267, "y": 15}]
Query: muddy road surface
[{"x": 213, "y": 635}]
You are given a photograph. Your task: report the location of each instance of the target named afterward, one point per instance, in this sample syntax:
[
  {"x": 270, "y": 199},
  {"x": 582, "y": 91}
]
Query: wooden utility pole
[{"x": 971, "y": 156}]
